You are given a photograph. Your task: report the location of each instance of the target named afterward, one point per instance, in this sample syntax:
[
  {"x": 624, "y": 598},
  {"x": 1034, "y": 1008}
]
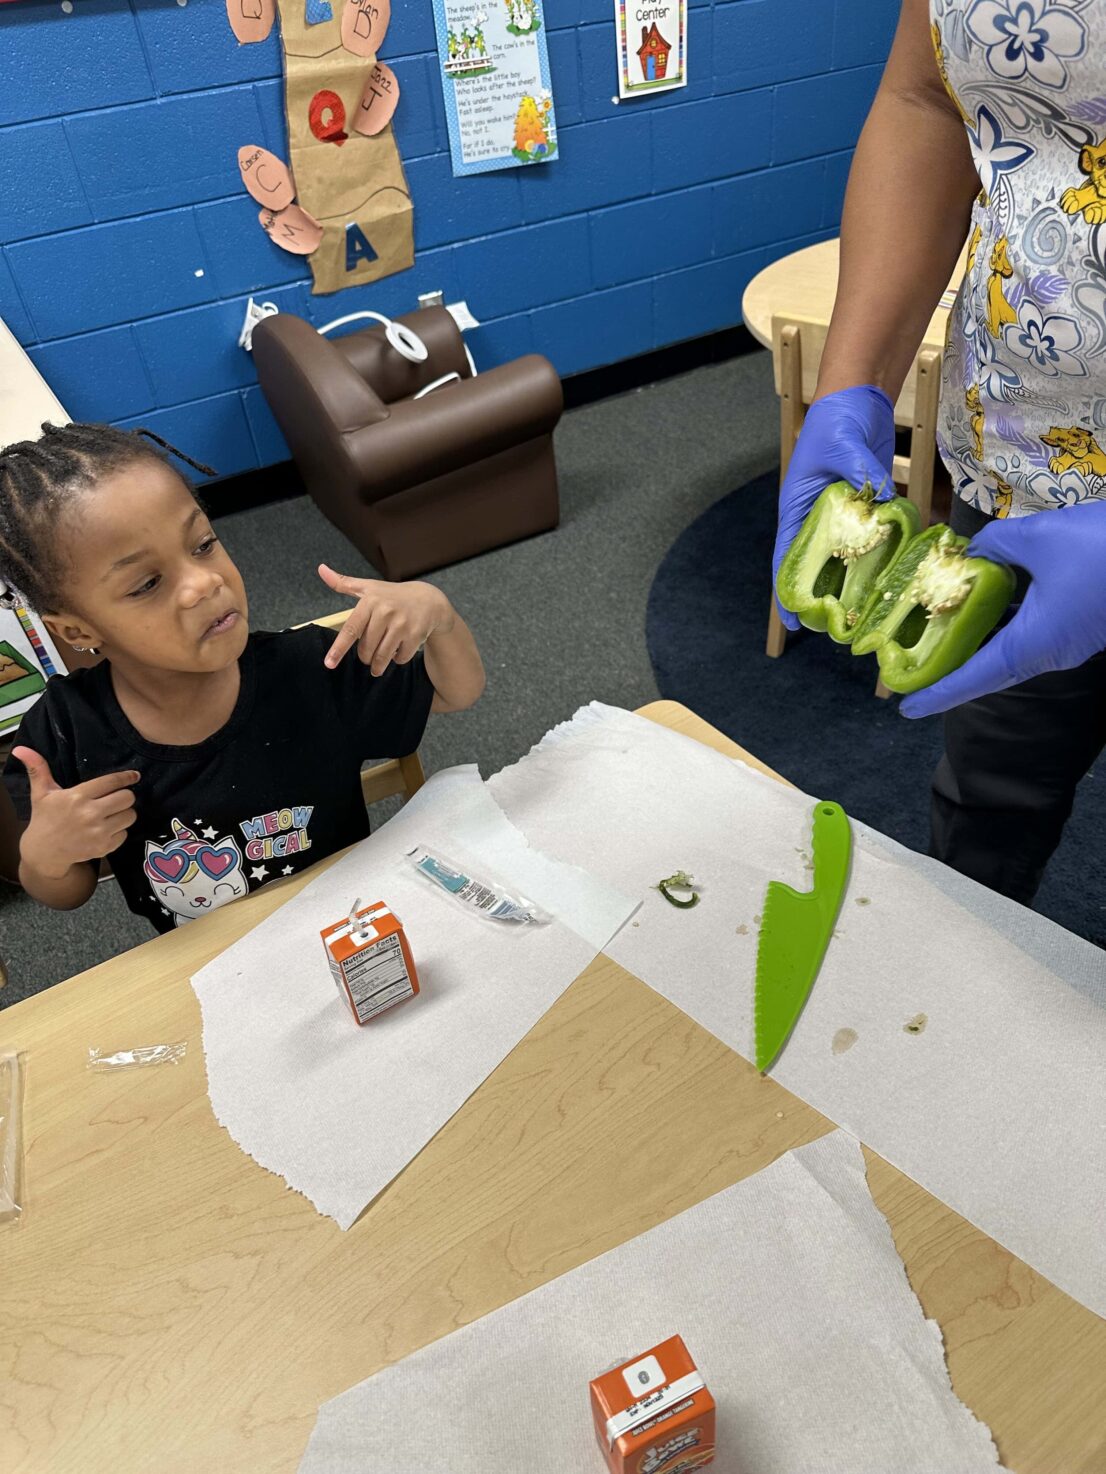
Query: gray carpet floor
[{"x": 560, "y": 619}]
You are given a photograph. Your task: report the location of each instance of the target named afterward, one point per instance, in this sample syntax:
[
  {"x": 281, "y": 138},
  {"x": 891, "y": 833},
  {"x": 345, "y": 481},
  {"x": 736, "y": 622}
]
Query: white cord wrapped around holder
[
  {"x": 404, "y": 340},
  {"x": 401, "y": 337}
]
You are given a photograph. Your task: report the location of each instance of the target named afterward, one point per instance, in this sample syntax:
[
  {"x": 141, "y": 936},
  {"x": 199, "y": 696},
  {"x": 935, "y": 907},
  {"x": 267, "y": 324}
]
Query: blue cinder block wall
[{"x": 128, "y": 246}]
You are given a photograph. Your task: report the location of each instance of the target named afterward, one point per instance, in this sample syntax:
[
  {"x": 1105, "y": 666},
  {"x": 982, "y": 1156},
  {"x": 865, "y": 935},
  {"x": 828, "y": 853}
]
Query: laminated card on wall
[
  {"x": 496, "y": 83},
  {"x": 28, "y": 658},
  {"x": 652, "y": 45}
]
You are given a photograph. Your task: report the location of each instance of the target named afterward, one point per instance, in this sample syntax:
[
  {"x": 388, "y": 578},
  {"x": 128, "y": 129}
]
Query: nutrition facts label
[{"x": 378, "y": 978}]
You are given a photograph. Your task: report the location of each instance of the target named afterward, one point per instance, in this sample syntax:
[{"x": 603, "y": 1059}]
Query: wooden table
[
  {"x": 802, "y": 287},
  {"x": 166, "y": 1304}
]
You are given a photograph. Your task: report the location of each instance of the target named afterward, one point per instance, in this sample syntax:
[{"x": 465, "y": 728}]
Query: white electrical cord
[
  {"x": 402, "y": 339},
  {"x": 438, "y": 384}
]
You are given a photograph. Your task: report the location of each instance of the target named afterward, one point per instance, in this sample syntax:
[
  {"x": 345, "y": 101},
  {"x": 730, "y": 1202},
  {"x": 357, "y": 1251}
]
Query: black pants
[{"x": 1004, "y": 789}]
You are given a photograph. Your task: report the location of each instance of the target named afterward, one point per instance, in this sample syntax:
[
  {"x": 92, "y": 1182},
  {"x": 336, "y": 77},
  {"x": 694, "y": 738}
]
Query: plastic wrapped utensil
[
  {"x": 140, "y": 1057},
  {"x": 11, "y": 1137},
  {"x": 483, "y": 895}
]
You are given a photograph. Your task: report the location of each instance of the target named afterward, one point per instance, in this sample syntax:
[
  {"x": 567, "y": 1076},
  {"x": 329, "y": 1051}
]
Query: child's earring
[{"x": 87, "y": 649}]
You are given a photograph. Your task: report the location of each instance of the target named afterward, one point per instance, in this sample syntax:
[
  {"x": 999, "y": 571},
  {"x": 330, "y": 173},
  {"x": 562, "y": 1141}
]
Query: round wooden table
[{"x": 801, "y": 288}]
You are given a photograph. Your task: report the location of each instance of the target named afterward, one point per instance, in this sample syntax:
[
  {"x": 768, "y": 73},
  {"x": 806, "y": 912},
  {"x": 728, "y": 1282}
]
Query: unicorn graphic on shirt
[{"x": 191, "y": 877}]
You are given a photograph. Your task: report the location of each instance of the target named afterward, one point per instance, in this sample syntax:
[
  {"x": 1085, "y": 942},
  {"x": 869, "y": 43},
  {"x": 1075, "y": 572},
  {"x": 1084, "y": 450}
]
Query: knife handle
[{"x": 830, "y": 848}]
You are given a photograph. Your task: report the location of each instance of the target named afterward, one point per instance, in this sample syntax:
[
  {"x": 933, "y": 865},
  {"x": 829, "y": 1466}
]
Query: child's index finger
[
  {"x": 110, "y": 783},
  {"x": 346, "y": 637}
]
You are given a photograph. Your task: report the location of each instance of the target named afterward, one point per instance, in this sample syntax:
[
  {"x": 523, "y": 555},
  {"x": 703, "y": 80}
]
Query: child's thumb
[{"x": 38, "y": 771}]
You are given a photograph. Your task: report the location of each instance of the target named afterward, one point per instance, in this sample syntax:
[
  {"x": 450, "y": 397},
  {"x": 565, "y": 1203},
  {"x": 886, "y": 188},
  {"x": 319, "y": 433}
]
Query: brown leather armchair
[{"x": 414, "y": 483}]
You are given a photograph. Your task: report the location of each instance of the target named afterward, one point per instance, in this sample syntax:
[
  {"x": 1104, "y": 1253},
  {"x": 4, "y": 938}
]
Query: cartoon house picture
[
  {"x": 18, "y": 678},
  {"x": 653, "y": 53}
]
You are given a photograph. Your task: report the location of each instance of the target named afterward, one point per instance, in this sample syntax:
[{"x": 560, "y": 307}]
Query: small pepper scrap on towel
[{"x": 680, "y": 881}]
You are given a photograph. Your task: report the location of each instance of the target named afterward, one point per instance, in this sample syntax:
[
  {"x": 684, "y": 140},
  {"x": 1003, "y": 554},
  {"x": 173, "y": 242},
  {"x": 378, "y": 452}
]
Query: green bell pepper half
[
  {"x": 931, "y": 610},
  {"x": 846, "y": 541}
]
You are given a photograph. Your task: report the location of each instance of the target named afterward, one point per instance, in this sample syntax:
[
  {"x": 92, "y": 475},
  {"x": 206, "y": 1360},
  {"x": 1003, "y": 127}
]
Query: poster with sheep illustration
[{"x": 495, "y": 78}]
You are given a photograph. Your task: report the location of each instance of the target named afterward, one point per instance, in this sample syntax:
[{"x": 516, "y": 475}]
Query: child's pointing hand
[{"x": 390, "y": 622}]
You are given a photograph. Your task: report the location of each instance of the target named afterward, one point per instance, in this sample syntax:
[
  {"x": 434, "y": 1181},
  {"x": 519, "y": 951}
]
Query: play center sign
[{"x": 652, "y": 45}]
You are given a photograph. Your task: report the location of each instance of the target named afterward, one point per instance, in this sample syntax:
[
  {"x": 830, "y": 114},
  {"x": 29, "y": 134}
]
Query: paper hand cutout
[
  {"x": 266, "y": 177},
  {"x": 251, "y": 20},
  {"x": 364, "y": 23},
  {"x": 378, "y": 101},
  {"x": 292, "y": 228}
]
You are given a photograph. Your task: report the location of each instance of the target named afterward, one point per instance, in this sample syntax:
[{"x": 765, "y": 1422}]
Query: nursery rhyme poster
[
  {"x": 495, "y": 78},
  {"x": 652, "y": 45}
]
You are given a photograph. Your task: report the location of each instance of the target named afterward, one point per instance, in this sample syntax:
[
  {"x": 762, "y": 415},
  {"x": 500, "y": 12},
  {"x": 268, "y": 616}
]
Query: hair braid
[{"x": 40, "y": 478}]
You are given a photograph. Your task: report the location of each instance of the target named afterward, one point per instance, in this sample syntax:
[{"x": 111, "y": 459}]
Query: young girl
[{"x": 203, "y": 758}]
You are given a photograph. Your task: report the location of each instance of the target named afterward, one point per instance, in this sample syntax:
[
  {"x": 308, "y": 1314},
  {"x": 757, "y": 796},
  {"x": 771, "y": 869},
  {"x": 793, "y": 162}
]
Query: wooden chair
[
  {"x": 797, "y": 342},
  {"x": 398, "y": 775}
]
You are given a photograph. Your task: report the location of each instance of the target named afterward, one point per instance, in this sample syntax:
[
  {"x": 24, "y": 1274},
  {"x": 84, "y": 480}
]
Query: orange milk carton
[
  {"x": 654, "y": 1415},
  {"x": 370, "y": 960}
]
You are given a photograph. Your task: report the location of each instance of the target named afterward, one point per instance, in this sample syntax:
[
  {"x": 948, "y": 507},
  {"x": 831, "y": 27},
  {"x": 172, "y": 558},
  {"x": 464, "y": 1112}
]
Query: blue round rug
[{"x": 813, "y": 714}]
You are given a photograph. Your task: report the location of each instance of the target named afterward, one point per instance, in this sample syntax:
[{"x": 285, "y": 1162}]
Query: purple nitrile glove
[
  {"x": 1062, "y": 620},
  {"x": 847, "y": 436}
]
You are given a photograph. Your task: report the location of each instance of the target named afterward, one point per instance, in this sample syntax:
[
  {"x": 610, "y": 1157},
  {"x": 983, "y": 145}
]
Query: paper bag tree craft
[
  {"x": 350, "y": 182},
  {"x": 18, "y": 678}
]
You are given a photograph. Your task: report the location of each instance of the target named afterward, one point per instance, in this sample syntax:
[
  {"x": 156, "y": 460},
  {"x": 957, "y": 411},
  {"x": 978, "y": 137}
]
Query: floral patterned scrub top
[{"x": 1023, "y": 394}]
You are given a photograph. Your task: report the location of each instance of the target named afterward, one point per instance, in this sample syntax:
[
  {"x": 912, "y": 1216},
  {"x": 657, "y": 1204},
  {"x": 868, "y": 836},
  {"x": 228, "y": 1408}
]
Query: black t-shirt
[{"x": 271, "y": 792}]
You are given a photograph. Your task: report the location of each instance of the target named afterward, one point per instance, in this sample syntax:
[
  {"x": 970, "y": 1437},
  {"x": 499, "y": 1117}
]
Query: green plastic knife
[{"x": 795, "y": 930}]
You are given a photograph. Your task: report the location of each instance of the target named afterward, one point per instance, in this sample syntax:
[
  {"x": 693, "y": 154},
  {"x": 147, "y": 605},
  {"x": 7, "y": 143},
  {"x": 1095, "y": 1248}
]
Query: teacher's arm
[{"x": 907, "y": 209}]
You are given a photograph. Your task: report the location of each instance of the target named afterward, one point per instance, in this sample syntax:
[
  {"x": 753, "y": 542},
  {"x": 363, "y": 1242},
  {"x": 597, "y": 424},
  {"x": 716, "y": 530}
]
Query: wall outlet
[
  {"x": 431, "y": 299},
  {"x": 463, "y": 316},
  {"x": 255, "y": 312}
]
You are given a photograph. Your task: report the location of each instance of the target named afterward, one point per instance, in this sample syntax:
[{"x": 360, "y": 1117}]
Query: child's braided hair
[{"x": 40, "y": 477}]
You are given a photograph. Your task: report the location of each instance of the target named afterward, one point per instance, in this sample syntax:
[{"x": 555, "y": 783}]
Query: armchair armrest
[
  {"x": 309, "y": 383},
  {"x": 457, "y": 425}
]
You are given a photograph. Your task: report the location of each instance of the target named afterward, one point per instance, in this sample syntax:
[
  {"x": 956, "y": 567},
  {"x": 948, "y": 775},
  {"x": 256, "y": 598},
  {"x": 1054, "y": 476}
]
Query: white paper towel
[
  {"x": 996, "y": 1106},
  {"x": 789, "y": 1295},
  {"x": 338, "y": 1110}
]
